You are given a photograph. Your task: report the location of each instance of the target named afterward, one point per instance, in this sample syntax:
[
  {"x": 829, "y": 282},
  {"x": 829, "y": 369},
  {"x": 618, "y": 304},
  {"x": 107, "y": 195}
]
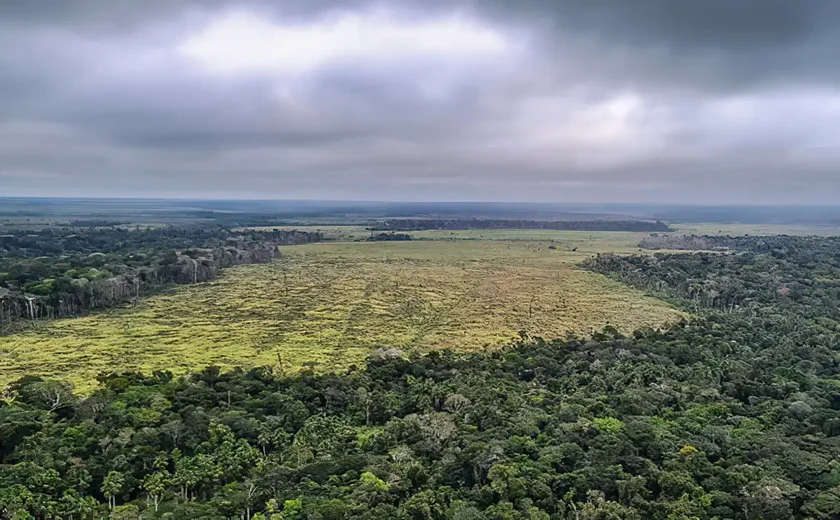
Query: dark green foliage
[
  {"x": 734, "y": 414},
  {"x": 65, "y": 272},
  {"x": 761, "y": 275},
  {"x": 389, "y": 237}
]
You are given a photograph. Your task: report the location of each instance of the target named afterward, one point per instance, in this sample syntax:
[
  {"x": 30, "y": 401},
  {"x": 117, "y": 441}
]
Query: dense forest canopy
[
  {"x": 61, "y": 272},
  {"x": 733, "y": 414},
  {"x": 777, "y": 274}
]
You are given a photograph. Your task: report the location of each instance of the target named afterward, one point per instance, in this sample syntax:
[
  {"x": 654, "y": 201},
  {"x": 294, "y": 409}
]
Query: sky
[{"x": 719, "y": 101}]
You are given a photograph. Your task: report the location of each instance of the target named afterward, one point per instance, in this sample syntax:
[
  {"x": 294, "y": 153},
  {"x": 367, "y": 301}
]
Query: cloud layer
[{"x": 652, "y": 100}]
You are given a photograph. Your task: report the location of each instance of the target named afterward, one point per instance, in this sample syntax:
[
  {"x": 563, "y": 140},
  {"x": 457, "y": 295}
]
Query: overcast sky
[{"x": 713, "y": 101}]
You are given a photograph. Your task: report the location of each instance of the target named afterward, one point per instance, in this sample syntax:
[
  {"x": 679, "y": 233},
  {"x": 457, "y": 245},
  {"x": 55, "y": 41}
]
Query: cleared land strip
[{"x": 328, "y": 305}]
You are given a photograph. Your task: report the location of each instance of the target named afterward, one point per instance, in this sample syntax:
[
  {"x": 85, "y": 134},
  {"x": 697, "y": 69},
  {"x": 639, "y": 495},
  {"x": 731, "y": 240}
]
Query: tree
[
  {"x": 15, "y": 501},
  {"x": 156, "y": 485},
  {"x": 508, "y": 482},
  {"x": 292, "y": 509},
  {"x": 825, "y": 505},
  {"x": 111, "y": 487},
  {"x": 424, "y": 505},
  {"x": 371, "y": 488}
]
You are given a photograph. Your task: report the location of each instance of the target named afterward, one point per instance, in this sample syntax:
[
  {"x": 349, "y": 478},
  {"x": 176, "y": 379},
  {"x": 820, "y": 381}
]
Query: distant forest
[
  {"x": 734, "y": 413},
  {"x": 569, "y": 225},
  {"x": 389, "y": 237}
]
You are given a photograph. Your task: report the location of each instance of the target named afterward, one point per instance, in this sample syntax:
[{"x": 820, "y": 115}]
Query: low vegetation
[
  {"x": 570, "y": 241},
  {"x": 823, "y": 228},
  {"x": 330, "y": 304}
]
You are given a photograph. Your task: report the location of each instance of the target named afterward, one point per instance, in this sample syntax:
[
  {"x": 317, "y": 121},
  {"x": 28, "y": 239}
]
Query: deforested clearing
[{"x": 329, "y": 305}]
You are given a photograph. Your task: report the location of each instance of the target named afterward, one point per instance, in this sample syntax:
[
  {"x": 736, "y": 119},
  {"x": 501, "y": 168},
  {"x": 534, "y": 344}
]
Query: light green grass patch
[
  {"x": 331, "y": 304},
  {"x": 756, "y": 229}
]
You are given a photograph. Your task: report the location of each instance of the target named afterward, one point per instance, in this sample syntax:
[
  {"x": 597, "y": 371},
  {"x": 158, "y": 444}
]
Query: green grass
[
  {"x": 331, "y": 304},
  {"x": 593, "y": 241},
  {"x": 607, "y": 240},
  {"x": 757, "y": 229}
]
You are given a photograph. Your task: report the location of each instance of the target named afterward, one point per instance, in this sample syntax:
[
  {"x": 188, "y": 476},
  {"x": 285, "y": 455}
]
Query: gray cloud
[{"x": 719, "y": 101}]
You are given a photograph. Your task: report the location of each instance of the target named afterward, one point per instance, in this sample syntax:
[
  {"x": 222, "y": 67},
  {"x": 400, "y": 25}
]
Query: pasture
[
  {"x": 824, "y": 230},
  {"x": 329, "y": 305}
]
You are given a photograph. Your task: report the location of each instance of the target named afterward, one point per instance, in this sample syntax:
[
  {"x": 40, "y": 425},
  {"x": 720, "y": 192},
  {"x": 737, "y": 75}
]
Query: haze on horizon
[{"x": 536, "y": 100}]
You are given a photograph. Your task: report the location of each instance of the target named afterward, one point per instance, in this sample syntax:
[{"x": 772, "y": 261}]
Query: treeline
[
  {"x": 777, "y": 245},
  {"x": 697, "y": 242},
  {"x": 389, "y": 237},
  {"x": 783, "y": 273},
  {"x": 82, "y": 223},
  {"x": 734, "y": 414},
  {"x": 63, "y": 241},
  {"x": 50, "y": 275},
  {"x": 687, "y": 242},
  {"x": 570, "y": 225}
]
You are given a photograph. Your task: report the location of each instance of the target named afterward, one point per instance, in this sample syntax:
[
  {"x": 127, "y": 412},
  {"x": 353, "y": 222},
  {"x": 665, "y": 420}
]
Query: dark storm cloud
[
  {"x": 536, "y": 99},
  {"x": 718, "y": 44}
]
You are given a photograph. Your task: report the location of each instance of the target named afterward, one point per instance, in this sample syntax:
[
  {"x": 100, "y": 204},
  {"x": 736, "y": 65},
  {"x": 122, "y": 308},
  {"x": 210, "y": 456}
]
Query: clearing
[{"x": 330, "y": 304}]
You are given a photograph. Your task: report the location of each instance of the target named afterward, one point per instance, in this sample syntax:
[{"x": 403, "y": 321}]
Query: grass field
[
  {"x": 331, "y": 304},
  {"x": 592, "y": 241},
  {"x": 608, "y": 239},
  {"x": 757, "y": 229}
]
